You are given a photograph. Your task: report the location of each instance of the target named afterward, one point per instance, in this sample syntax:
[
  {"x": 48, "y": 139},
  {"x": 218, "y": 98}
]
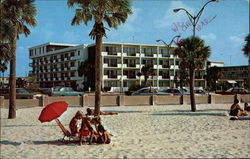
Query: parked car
[
  {"x": 235, "y": 90},
  {"x": 149, "y": 91},
  {"x": 65, "y": 91},
  {"x": 200, "y": 92},
  {"x": 21, "y": 93},
  {"x": 175, "y": 91}
]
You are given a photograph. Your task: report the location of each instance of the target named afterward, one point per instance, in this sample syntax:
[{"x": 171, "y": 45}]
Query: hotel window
[
  {"x": 78, "y": 53},
  {"x": 72, "y": 74},
  {"x": 72, "y": 64},
  {"x": 72, "y": 54}
]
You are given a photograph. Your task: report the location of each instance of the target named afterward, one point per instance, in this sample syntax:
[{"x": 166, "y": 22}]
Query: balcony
[
  {"x": 105, "y": 76},
  {"x": 137, "y": 54},
  {"x": 73, "y": 68},
  {"x": 124, "y": 54},
  {"x": 105, "y": 65},
  {"x": 157, "y": 66},
  {"x": 174, "y": 67},
  {"x": 155, "y": 55},
  {"x": 104, "y": 53},
  {"x": 165, "y": 66}
]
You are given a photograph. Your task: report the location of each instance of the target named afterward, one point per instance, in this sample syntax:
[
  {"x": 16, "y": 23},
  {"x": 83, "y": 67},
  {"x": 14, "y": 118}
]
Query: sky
[{"x": 223, "y": 25}]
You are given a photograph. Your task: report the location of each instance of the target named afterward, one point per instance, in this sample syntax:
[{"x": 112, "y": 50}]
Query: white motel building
[{"x": 56, "y": 64}]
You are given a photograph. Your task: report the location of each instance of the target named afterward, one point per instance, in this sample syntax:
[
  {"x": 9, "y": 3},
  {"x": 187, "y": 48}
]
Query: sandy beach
[{"x": 139, "y": 132}]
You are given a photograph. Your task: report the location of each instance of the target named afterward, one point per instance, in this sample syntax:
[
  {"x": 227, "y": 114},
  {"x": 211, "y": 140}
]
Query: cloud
[
  {"x": 210, "y": 36},
  {"x": 170, "y": 17},
  {"x": 236, "y": 39}
]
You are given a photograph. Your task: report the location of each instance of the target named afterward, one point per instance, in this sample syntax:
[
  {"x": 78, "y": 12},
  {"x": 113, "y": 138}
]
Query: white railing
[
  {"x": 105, "y": 65},
  {"x": 174, "y": 67},
  {"x": 119, "y": 65},
  {"x": 105, "y": 76},
  {"x": 137, "y": 54},
  {"x": 104, "y": 53}
]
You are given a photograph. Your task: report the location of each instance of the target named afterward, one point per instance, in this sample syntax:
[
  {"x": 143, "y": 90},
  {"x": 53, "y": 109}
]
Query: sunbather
[
  {"x": 73, "y": 123},
  {"x": 92, "y": 112},
  {"x": 236, "y": 110}
]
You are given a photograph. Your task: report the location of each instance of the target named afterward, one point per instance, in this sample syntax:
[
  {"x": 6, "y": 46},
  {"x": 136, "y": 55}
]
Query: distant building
[
  {"x": 57, "y": 64},
  {"x": 215, "y": 63},
  {"x": 237, "y": 75}
]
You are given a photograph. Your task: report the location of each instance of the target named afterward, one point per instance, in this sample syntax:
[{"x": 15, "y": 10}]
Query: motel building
[{"x": 55, "y": 64}]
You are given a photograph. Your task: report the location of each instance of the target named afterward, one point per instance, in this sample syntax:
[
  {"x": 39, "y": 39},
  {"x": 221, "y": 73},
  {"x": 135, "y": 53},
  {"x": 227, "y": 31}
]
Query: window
[
  {"x": 78, "y": 53},
  {"x": 72, "y": 64},
  {"x": 72, "y": 54}
]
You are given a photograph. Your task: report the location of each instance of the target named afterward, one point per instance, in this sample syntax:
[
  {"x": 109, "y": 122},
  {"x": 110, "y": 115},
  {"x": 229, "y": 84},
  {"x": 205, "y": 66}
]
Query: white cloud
[
  {"x": 236, "y": 39},
  {"x": 210, "y": 36},
  {"x": 170, "y": 17}
]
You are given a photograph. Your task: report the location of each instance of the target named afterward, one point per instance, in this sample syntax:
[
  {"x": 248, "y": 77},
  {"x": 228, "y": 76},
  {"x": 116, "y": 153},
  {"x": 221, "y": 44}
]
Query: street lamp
[
  {"x": 168, "y": 48},
  {"x": 169, "y": 45},
  {"x": 194, "y": 19}
]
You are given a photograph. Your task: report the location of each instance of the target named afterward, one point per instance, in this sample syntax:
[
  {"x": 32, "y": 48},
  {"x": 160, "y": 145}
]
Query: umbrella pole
[{"x": 64, "y": 130}]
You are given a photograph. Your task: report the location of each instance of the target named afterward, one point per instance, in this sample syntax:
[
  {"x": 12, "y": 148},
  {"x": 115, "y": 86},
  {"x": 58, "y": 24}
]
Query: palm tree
[
  {"x": 3, "y": 68},
  {"x": 213, "y": 74},
  {"x": 193, "y": 54},
  {"x": 246, "y": 48},
  {"x": 113, "y": 12},
  {"x": 18, "y": 14},
  {"x": 146, "y": 71},
  {"x": 6, "y": 32},
  {"x": 85, "y": 69}
]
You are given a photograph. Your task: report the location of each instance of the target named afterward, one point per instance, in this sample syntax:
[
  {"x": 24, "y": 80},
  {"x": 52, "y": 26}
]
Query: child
[
  {"x": 87, "y": 131},
  {"x": 104, "y": 136}
]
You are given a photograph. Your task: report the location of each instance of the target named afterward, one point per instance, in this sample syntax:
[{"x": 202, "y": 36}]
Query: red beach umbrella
[{"x": 53, "y": 111}]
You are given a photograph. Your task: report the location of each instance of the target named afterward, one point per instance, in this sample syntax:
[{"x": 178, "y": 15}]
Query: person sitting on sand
[
  {"x": 86, "y": 130},
  {"x": 246, "y": 107},
  {"x": 104, "y": 136},
  {"x": 73, "y": 123},
  {"x": 236, "y": 110},
  {"x": 92, "y": 112}
]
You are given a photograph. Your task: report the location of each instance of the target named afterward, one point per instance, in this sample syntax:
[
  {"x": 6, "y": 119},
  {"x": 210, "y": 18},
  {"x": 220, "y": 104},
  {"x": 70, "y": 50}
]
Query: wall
[{"x": 122, "y": 100}]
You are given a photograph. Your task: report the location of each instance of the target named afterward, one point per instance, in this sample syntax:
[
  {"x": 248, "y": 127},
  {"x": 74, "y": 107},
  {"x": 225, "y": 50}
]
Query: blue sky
[{"x": 151, "y": 20}]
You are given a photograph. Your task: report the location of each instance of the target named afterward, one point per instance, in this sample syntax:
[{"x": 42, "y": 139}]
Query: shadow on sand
[{"x": 6, "y": 142}]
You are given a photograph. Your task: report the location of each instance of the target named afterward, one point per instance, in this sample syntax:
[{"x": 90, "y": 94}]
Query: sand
[{"x": 139, "y": 132}]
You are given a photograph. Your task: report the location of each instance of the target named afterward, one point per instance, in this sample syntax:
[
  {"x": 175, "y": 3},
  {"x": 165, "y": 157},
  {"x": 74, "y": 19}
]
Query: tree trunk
[
  {"x": 12, "y": 82},
  {"x": 98, "y": 74},
  {"x": 191, "y": 85}
]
